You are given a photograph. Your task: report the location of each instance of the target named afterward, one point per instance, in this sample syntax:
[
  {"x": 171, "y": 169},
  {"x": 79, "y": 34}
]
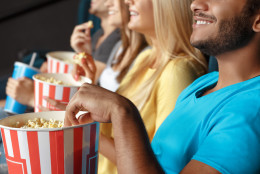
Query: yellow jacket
[{"x": 176, "y": 76}]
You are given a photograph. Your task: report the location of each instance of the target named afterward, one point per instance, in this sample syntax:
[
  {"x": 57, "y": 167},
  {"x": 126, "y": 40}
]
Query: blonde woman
[
  {"x": 123, "y": 54},
  {"x": 173, "y": 61},
  {"x": 158, "y": 75}
]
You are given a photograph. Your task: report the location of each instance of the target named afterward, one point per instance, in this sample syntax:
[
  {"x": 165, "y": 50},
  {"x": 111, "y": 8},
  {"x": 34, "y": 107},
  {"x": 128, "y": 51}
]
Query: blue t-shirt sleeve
[{"x": 233, "y": 144}]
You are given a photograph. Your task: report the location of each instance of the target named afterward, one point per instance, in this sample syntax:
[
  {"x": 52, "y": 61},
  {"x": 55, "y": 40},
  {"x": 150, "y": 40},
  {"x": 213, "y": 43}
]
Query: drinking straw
[{"x": 33, "y": 59}]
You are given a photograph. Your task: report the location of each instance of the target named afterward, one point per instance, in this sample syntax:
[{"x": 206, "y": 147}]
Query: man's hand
[
  {"x": 21, "y": 90},
  {"x": 80, "y": 39},
  {"x": 100, "y": 103},
  {"x": 130, "y": 136}
]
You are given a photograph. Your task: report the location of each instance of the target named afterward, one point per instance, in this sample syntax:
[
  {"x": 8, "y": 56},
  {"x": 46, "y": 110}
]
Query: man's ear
[{"x": 256, "y": 25}]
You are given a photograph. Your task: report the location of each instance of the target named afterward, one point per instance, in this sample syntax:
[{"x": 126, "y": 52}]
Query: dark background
[{"x": 34, "y": 25}]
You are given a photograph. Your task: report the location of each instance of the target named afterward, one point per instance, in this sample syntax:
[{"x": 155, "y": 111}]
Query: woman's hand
[
  {"x": 22, "y": 90},
  {"x": 80, "y": 39},
  {"x": 86, "y": 68},
  {"x": 53, "y": 103}
]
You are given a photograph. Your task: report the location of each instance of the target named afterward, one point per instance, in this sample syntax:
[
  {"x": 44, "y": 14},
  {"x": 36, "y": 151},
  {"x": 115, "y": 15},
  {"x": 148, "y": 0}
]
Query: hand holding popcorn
[
  {"x": 80, "y": 39},
  {"x": 85, "y": 66}
]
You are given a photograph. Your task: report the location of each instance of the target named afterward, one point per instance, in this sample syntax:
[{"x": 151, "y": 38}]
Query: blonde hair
[
  {"x": 173, "y": 42},
  {"x": 135, "y": 41}
]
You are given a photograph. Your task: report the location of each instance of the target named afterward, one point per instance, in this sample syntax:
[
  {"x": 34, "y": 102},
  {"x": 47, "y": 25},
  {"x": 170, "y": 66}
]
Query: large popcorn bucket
[
  {"x": 66, "y": 150},
  {"x": 20, "y": 70},
  {"x": 59, "y": 92},
  {"x": 60, "y": 61}
]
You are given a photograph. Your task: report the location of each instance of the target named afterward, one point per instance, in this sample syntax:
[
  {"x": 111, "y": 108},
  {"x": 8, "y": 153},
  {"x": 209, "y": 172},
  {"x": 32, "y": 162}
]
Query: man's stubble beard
[{"x": 231, "y": 35}]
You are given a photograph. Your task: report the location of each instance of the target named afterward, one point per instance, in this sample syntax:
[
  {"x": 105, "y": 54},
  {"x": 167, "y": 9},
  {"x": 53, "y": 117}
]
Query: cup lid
[{"x": 24, "y": 64}]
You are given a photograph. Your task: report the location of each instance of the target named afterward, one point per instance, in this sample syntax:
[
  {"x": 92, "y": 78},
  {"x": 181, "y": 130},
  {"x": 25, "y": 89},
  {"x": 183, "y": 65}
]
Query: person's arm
[
  {"x": 132, "y": 147},
  {"x": 197, "y": 167},
  {"x": 53, "y": 103},
  {"x": 133, "y": 150},
  {"x": 107, "y": 148},
  {"x": 100, "y": 66}
]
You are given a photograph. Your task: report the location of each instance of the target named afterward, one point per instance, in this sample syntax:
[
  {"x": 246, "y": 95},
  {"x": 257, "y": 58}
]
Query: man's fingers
[
  {"x": 70, "y": 117},
  {"x": 66, "y": 121},
  {"x": 79, "y": 28},
  {"x": 87, "y": 31},
  {"x": 81, "y": 36},
  {"x": 85, "y": 118},
  {"x": 79, "y": 42}
]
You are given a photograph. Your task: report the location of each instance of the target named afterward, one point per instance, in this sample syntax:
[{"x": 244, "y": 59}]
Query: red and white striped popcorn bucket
[
  {"x": 66, "y": 150},
  {"x": 61, "y": 93},
  {"x": 60, "y": 61}
]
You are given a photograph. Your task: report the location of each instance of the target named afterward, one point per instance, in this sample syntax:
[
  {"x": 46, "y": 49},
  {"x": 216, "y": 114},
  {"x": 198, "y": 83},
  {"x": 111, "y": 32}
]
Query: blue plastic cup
[{"x": 20, "y": 70}]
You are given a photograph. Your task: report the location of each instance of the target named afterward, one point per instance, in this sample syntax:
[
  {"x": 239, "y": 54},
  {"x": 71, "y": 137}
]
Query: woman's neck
[{"x": 156, "y": 61}]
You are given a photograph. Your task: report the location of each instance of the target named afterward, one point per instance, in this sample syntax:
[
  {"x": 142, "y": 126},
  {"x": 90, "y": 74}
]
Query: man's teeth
[
  {"x": 202, "y": 22},
  {"x": 133, "y": 13},
  {"x": 111, "y": 12}
]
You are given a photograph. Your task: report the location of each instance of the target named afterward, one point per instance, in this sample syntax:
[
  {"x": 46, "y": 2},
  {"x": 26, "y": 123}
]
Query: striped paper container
[
  {"x": 61, "y": 93},
  {"x": 60, "y": 61},
  {"x": 67, "y": 150}
]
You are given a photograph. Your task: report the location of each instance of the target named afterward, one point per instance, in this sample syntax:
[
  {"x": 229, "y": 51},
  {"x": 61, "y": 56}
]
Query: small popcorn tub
[
  {"x": 60, "y": 87},
  {"x": 60, "y": 61},
  {"x": 64, "y": 150}
]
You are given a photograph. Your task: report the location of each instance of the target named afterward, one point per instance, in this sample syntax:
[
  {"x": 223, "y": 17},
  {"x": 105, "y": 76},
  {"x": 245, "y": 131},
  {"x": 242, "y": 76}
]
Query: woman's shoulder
[
  {"x": 184, "y": 63},
  {"x": 144, "y": 53}
]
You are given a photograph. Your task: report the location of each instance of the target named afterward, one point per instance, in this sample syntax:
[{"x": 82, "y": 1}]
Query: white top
[{"x": 108, "y": 78}]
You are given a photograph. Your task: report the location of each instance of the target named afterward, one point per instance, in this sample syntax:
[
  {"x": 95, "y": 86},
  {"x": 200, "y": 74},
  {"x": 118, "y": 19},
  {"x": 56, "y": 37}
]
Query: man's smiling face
[{"x": 220, "y": 26}]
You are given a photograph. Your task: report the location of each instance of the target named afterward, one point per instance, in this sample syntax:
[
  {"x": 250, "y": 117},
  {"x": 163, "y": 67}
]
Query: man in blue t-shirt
[{"x": 215, "y": 126}]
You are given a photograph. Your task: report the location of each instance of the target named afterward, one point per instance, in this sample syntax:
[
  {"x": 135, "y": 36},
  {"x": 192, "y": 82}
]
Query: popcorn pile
[
  {"x": 41, "y": 123},
  {"x": 51, "y": 80}
]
